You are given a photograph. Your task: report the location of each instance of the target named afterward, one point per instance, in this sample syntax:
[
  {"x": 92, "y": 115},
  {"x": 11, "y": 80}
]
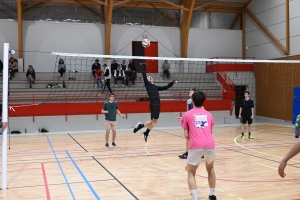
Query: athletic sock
[
  {"x": 249, "y": 134},
  {"x": 212, "y": 192},
  {"x": 147, "y": 131},
  {"x": 242, "y": 134},
  {"x": 193, "y": 194}
]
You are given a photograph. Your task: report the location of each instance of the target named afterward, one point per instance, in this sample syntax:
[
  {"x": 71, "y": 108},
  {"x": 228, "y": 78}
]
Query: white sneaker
[
  {"x": 122, "y": 85},
  {"x": 116, "y": 86},
  {"x": 132, "y": 85}
]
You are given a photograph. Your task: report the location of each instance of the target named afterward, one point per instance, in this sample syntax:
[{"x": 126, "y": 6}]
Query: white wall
[
  {"x": 214, "y": 42},
  {"x": 42, "y": 38},
  {"x": 8, "y": 34},
  {"x": 272, "y": 15}
]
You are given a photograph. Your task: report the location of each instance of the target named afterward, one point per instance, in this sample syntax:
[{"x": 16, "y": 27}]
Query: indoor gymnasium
[{"x": 150, "y": 99}]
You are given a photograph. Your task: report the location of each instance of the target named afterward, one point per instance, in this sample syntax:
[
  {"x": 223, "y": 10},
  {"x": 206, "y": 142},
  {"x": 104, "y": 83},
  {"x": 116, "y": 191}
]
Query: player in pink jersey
[{"x": 197, "y": 124}]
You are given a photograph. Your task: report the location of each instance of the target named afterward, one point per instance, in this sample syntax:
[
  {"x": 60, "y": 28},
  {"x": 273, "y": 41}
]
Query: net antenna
[{"x": 4, "y": 114}]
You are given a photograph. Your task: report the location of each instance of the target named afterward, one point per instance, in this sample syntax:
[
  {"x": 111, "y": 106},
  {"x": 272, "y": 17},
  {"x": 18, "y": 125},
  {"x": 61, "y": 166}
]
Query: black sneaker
[
  {"x": 137, "y": 127},
  {"x": 145, "y": 136},
  {"x": 106, "y": 145},
  {"x": 212, "y": 197},
  {"x": 202, "y": 156},
  {"x": 114, "y": 144},
  {"x": 183, "y": 156}
]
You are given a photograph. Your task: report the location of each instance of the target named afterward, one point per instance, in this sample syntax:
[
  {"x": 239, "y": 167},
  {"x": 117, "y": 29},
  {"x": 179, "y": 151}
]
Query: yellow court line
[
  {"x": 267, "y": 166},
  {"x": 267, "y": 154}
]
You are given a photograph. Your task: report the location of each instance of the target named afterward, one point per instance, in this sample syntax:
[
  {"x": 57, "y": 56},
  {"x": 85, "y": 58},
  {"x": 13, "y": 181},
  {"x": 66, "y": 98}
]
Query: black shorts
[
  {"x": 245, "y": 119},
  {"x": 155, "y": 110}
]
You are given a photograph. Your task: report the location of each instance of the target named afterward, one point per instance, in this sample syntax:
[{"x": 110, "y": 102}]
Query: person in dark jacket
[{"x": 30, "y": 75}]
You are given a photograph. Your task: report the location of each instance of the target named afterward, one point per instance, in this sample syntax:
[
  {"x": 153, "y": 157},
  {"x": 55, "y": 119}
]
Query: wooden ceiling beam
[
  {"x": 99, "y": 2},
  {"x": 221, "y": 9},
  {"x": 185, "y": 27},
  {"x": 20, "y": 20},
  {"x": 108, "y": 20},
  {"x": 204, "y": 5},
  {"x": 174, "y": 5},
  {"x": 121, "y": 2},
  {"x": 266, "y": 31}
]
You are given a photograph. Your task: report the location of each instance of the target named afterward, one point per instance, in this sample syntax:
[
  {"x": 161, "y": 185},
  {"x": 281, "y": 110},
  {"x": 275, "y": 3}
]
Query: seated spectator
[
  {"x": 119, "y": 75},
  {"x": 131, "y": 65},
  {"x": 130, "y": 75},
  {"x": 165, "y": 70},
  {"x": 98, "y": 78},
  {"x": 13, "y": 67},
  {"x": 114, "y": 66},
  {"x": 123, "y": 65},
  {"x": 95, "y": 66},
  {"x": 30, "y": 75},
  {"x": 61, "y": 68}
]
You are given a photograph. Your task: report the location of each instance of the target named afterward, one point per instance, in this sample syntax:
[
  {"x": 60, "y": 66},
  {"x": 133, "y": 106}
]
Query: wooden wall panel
[{"x": 275, "y": 83}]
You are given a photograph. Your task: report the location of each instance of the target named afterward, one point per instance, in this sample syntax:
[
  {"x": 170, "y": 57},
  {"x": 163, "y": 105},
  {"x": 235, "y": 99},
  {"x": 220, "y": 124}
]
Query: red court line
[
  {"x": 253, "y": 181},
  {"x": 45, "y": 182}
]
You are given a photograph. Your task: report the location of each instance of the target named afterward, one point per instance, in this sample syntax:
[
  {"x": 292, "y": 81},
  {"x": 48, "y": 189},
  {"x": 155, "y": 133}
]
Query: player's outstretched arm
[
  {"x": 293, "y": 151},
  {"x": 167, "y": 86}
]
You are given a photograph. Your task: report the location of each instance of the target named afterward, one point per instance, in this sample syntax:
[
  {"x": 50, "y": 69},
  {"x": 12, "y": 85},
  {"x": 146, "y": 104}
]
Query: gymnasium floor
[{"x": 78, "y": 166}]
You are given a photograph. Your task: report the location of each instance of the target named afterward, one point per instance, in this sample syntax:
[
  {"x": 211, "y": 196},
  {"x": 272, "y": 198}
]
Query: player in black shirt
[
  {"x": 246, "y": 114},
  {"x": 153, "y": 94}
]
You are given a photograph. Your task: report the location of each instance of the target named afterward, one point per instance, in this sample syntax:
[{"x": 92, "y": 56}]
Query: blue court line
[
  {"x": 62, "y": 171},
  {"x": 82, "y": 175}
]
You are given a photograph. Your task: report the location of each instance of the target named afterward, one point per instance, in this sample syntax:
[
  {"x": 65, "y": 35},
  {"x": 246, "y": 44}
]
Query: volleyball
[{"x": 145, "y": 42}]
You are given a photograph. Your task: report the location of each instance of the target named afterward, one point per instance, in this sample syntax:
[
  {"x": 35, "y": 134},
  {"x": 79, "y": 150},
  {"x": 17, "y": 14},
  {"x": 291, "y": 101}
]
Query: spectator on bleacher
[
  {"x": 130, "y": 75},
  {"x": 13, "y": 67},
  {"x": 131, "y": 65},
  {"x": 165, "y": 70},
  {"x": 95, "y": 66},
  {"x": 119, "y": 75},
  {"x": 114, "y": 66},
  {"x": 98, "y": 78},
  {"x": 61, "y": 68},
  {"x": 30, "y": 75},
  {"x": 123, "y": 65}
]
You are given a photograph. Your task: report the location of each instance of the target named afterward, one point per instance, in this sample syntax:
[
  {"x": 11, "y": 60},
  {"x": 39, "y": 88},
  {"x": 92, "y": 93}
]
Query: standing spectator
[
  {"x": 124, "y": 66},
  {"x": 98, "y": 78},
  {"x": 110, "y": 109},
  {"x": 130, "y": 75},
  {"x": 95, "y": 66},
  {"x": 13, "y": 67},
  {"x": 61, "y": 68},
  {"x": 165, "y": 70},
  {"x": 246, "y": 114},
  {"x": 197, "y": 124},
  {"x": 119, "y": 75},
  {"x": 30, "y": 75},
  {"x": 107, "y": 76}
]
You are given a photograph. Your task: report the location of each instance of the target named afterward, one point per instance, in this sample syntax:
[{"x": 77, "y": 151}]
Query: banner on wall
[{"x": 296, "y": 104}]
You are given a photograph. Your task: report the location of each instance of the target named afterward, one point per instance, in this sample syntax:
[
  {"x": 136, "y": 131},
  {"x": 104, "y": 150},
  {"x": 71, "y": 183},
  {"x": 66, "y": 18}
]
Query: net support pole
[{"x": 4, "y": 114}]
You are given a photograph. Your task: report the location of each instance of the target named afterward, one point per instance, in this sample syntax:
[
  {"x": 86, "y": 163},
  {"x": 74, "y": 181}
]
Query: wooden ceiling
[{"x": 231, "y": 6}]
